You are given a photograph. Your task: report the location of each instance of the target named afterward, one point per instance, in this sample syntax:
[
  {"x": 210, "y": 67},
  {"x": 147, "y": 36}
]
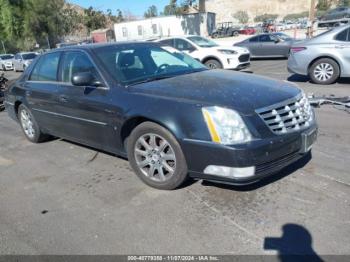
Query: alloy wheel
[
  {"x": 27, "y": 124},
  {"x": 323, "y": 72},
  {"x": 212, "y": 65},
  {"x": 155, "y": 157}
]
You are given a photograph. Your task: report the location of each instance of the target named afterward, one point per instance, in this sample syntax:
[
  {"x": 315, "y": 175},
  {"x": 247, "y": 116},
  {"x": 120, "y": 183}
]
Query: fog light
[{"x": 230, "y": 172}]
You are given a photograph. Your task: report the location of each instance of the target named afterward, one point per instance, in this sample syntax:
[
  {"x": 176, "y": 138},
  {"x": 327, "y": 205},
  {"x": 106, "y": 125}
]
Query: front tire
[
  {"x": 213, "y": 64},
  {"x": 29, "y": 125},
  {"x": 324, "y": 71},
  {"x": 156, "y": 156}
]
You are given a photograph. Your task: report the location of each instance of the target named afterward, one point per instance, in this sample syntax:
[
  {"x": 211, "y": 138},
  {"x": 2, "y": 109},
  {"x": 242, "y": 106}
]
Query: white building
[{"x": 189, "y": 24}]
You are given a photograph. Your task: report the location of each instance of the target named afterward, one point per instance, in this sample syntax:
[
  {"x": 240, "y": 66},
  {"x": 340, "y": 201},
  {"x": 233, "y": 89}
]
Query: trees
[
  {"x": 265, "y": 17},
  {"x": 242, "y": 17},
  {"x": 174, "y": 9},
  {"x": 152, "y": 11},
  {"x": 94, "y": 19},
  {"x": 344, "y": 3}
]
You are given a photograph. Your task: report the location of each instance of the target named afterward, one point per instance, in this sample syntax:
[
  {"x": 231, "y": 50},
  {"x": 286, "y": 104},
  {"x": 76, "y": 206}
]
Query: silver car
[
  {"x": 23, "y": 60},
  {"x": 6, "y": 62},
  {"x": 323, "y": 58}
]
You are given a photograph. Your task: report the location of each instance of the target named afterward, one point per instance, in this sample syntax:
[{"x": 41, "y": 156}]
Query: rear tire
[
  {"x": 235, "y": 33},
  {"x": 324, "y": 71},
  {"x": 213, "y": 64},
  {"x": 156, "y": 156},
  {"x": 29, "y": 125}
]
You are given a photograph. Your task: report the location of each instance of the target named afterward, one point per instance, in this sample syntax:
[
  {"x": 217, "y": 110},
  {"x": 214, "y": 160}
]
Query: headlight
[
  {"x": 225, "y": 126},
  {"x": 228, "y": 52}
]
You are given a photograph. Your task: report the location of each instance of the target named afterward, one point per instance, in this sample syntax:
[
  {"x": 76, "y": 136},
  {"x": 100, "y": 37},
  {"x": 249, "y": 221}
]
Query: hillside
[{"x": 224, "y": 9}]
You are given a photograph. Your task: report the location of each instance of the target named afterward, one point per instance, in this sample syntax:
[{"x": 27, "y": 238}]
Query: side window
[
  {"x": 76, "y": 62},
  {"x": 183, "y": 45},
  {"x": 154, "y": 29},
  {"x": 265, "y": 38},
  {"x": 139, "y": 30},
  {"x": 125, "y": 32},
  {"x": 46, "y": 68},
  {"x": 254, "y": 39},
  {"x": 167, "y": 42},
  {"x": 343, "y": 36}
]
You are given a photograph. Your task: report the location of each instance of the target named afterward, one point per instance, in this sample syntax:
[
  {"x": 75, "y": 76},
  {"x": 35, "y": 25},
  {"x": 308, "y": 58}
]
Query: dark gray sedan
[{"x": 268, "y": 45}]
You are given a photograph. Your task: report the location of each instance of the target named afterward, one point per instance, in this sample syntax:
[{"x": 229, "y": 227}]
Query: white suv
[{"x": 210, "y": 53}]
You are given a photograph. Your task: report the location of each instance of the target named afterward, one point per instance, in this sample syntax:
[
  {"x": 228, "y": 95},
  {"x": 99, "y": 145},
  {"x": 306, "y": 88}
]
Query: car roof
[{"x": 100, "y": 45}]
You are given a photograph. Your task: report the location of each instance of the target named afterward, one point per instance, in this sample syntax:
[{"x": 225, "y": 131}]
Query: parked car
[
  {"x": 172, "y": 119},
  {"x": 323, "y": 58},
  {"x": 210, "y": 53},
  {"x": 247, "y": 30},
  {"x": 268, "y": 45},
  {"x": 6, "y": 62},
  {"x": 22, "y": 60},
  {"x": 337, "y": 13},
  {"x": 225, "y": 29},
  {"x": 3, "y": 81}
]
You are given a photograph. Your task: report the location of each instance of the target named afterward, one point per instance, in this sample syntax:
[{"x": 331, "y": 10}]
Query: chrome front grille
[{"x": 289, "y": 116}]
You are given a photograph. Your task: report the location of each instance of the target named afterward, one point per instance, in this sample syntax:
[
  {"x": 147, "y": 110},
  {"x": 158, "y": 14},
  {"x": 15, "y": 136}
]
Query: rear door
[
  {"x": 342, "y": 47},
  {"x": 84, "y": 112},
  {"x": 41, "y": 91}
]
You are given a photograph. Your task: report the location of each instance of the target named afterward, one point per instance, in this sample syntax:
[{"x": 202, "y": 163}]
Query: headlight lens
[
  {"x": 228, "y": 52},
  {"x": 226, "y": 126}
]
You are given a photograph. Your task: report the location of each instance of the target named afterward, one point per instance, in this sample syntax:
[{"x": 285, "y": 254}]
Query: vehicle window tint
[
  {"x": 343, "y": 35},
  {"x": 77, "y": 62},
  {"x": 168, "y": 42},
  {"x": 254, "y": 39},
  {"x": 266, "y": 38},
  {"x": 46, "y": 68},
  {"x": 183, "y": 45}
]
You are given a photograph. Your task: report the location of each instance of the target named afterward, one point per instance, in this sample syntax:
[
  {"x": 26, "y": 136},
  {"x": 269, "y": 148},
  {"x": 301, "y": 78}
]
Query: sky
[{"x": 137, "y": 7}]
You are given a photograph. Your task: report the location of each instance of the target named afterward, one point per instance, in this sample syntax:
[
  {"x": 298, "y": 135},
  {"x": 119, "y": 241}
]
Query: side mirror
[{"x": 85, "y": 79}]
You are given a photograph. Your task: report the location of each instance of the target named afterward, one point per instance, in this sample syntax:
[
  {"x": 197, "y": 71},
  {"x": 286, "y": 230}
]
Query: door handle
[
  {"x": 63, "y": 98},
  {"x": 340, "y": 46}
]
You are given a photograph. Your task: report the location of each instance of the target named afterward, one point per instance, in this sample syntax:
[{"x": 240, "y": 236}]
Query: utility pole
[{"x": 311, "y": 18}]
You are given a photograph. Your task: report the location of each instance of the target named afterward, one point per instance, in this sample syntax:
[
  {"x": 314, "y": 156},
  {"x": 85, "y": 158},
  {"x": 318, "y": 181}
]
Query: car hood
[
  {"x": 240, "y": 91},
  {"x": 7, "y": 60}
]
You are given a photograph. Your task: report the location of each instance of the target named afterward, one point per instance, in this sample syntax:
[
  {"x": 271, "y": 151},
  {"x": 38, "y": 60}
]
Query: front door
[{"x": 85, "y": 113}]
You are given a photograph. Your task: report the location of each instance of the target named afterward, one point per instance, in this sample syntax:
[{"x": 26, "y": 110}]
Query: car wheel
[
  {"x": 213, "y": 64},
  {"x": 156, "y": 156},
  {"x": 235, "y": 33},
  {"x": 29, "y": 126},
  {"x": 324, "y": 71},
  {"x": 214, "y": 35}
]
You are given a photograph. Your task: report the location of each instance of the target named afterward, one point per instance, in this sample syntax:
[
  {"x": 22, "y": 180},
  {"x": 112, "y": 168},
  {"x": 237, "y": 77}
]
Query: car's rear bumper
[
  {"x": 267, "y": 156},
  {"x": 297, "y": 65}
]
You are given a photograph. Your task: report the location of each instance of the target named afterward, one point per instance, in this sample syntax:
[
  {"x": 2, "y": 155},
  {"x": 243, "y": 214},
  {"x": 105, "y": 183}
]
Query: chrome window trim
[{"x": 72, "y": 117}]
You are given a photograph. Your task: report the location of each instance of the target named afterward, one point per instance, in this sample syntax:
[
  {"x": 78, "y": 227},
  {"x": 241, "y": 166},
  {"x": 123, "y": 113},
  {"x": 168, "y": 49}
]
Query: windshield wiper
[{"x": 150, "y": 79}]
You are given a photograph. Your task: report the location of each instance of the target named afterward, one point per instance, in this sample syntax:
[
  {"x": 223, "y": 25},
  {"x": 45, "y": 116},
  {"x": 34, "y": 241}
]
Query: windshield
[
  {"x": 28, "y": 56},
  {"x": 132, "y": 64},
  {"x": 202, "y": 42},
  {"x": 6, "y": 57}
]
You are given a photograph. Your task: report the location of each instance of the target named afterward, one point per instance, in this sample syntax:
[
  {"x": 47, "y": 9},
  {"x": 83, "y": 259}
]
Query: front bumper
[
  {"x": 237, "y": 62},
  {"x": 268, "y": 156}
]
